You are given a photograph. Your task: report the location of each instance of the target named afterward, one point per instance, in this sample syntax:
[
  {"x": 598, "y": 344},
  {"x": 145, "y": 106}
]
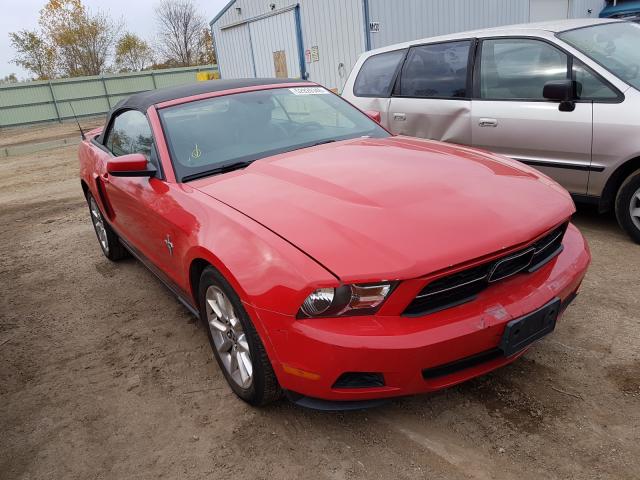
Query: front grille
[{"x": 464, "y": 286}]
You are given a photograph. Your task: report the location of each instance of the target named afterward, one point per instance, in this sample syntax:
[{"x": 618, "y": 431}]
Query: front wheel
[
  {"x": 628, "y": 206},
  {"x": 235, "y": 342},
  {"x": 107, "y": 238}
]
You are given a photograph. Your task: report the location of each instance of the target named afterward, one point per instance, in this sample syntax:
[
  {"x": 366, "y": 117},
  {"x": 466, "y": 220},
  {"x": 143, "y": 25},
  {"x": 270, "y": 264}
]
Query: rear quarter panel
[{"x": 92, "y": 164}]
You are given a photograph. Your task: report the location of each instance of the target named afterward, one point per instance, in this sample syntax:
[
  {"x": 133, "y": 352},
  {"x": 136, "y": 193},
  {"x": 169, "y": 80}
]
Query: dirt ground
[
  {"x": 103, "y": 374},
  {"x": 12, "y": 136}
]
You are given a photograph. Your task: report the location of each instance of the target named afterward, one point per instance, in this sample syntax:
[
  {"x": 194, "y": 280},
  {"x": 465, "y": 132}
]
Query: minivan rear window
[{"x": 377, "y": 74}]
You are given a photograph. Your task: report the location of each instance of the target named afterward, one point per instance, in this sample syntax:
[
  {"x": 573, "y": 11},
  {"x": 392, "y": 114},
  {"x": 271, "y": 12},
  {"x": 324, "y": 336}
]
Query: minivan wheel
[
  {"x": 235, "y": 343},
  {"x": 628, "y": 206}
]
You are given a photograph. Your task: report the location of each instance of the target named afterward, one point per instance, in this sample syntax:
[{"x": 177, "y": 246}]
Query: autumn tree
[
  {"x": 11, "y": 78},
  {"x": 180, "y": 32},
  {"x": 84, "y": 40},
  {"x": 34, "y": 53},
  {"x": 207, "y": 53},
  {"x": 133, "y": 53}
]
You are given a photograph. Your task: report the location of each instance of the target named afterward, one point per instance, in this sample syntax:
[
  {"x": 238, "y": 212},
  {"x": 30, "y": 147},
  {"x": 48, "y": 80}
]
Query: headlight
[
  {"x": 318, "y": 302},
  {"x": 355, "y": 299}
]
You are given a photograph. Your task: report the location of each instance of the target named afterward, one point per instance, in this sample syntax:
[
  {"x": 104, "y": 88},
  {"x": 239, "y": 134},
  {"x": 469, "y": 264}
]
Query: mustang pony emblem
[{"x": 169, "y": 244}]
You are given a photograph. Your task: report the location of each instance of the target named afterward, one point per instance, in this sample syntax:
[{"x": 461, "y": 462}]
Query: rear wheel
[
  {"x": 235, "y": 342},
  {"x": 628, "y": 206},
  {"x": 107, "y": 238}
]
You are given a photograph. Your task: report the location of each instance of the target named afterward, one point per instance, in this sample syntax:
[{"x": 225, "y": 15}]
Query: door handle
[
  {"x": 399, "y": 117},
  {"x": 488, "y": 122}
]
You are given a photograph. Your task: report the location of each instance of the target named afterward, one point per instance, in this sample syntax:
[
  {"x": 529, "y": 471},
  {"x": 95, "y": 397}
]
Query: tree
[
  {"x": 34, "y": 53},
  {"x": 11, "y": 78},
  {"x": 133, "y": 53},
  {"x": 84, "y": 40},
  {"x": 207, "y": 53},
  {"x": 180, "y": 27}
]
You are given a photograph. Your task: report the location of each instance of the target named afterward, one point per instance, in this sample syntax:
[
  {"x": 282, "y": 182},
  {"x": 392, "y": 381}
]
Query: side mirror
[
  {"x": 373, "y": 115},
  {"x": 563, "y": 91},
  {"x": 132, "y": 165}
]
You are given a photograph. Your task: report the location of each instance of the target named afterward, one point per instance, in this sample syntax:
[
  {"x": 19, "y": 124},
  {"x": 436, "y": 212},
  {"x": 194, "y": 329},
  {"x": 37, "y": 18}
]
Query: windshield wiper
[
  {"x": 322, "y": 142},
  {"x": 307, "y": 145},
  {"x": 214, "y": 171}
]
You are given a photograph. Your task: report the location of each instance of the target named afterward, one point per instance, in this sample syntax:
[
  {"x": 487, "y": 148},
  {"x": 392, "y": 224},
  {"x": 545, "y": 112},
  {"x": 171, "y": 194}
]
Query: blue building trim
[
  {"x": 215, "y": 50},
  {"x": 367, "y": 32},
  {"x": 253, "y": 56},
  {"x": 303, "y": 68}
]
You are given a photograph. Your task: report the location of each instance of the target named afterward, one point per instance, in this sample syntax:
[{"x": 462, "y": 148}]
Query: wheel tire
[
  {"x": 628, "y": 199},
  {"x": 107, "y": 238},
  {"x": 264, "y": 387}
]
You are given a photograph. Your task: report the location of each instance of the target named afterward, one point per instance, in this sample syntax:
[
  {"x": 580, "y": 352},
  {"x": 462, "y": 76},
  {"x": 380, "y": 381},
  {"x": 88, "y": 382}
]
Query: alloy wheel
[
  {"x": 634, "y": 208},
  {"x": 98, "y": 224},
  {"x": 229, "y": 337}
]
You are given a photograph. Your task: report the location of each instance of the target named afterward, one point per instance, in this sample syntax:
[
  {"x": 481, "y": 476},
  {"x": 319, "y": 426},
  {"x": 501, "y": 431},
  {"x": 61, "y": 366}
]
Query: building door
[
  {"x": 275, "y": 45},
  {"x": 543, "y": 10},
  {"x": 235, "y": 52}
]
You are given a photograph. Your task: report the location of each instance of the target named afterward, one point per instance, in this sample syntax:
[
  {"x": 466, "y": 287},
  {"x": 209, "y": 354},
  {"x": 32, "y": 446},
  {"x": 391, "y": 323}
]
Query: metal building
[{"x": 322, "y": 39}]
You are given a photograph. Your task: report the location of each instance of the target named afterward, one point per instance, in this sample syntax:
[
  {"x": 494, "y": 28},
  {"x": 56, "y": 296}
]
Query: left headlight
[{"x": 354, "y": 299}]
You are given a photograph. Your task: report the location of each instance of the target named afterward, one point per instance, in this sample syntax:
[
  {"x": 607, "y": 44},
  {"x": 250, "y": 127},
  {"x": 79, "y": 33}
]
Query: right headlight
[{"x": 354, "y": 299}]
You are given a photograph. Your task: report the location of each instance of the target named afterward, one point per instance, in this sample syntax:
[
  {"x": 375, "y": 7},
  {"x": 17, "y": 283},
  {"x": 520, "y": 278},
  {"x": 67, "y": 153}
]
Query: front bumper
[{"x": 309, "y": 355}]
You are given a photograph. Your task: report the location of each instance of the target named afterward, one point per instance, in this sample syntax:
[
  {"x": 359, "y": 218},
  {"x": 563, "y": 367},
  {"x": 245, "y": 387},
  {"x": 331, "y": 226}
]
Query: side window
[
  {"x": 438, "y": 70},
  {"x": 130, "y": 133},
  {"x": 592, "y": 87},
  {"x": 515, "y": 68},
  {"x": 376, "y": 74}
]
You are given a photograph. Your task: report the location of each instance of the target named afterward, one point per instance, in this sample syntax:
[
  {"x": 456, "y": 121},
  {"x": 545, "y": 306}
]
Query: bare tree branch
[{"x": 180, "y": 31}]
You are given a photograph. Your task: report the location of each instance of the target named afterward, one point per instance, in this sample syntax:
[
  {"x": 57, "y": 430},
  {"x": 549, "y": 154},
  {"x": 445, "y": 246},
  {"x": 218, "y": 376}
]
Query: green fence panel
[
  {"x": 41, "y": 101},
  {"x": 16, "y": 96}
]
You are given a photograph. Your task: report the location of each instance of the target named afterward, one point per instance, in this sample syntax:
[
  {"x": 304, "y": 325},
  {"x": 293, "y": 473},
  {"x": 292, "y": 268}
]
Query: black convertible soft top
[{"x": 143, "y": 100}]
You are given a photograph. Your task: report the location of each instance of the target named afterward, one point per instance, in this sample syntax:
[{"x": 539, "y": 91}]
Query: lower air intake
[{"x": 359, "y": 380}]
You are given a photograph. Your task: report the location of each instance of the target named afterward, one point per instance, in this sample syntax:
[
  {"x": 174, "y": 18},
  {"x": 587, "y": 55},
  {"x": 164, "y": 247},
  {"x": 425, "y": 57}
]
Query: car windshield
[
  {"x": 215, "y": 134},
  {"x": 613, "y": 45}
]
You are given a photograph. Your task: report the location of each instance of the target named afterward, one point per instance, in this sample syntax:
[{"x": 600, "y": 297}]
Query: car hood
[{"x": 396, "y": 207}]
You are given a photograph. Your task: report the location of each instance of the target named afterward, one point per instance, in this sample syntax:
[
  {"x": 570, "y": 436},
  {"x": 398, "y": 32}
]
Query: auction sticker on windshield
[{"x": 308, "y": 91}]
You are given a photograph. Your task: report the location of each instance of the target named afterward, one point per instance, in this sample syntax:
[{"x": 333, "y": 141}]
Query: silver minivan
[{"x": 561, "y": 96}]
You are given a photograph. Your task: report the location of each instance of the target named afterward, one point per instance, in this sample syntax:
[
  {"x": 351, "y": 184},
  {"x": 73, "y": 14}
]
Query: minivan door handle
[
  {"x": 399, "y": 117},
  {"x": 488, "y": 122}
]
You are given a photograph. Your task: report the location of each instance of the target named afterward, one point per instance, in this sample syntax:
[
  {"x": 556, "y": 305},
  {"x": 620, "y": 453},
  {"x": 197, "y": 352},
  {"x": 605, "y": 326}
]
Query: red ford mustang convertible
[{"x": 330, "y": 260}]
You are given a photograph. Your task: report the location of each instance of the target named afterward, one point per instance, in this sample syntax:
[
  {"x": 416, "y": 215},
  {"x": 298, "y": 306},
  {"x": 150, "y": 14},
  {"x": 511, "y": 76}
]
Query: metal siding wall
[
  {"x": 272, "y": 34},
  {"x": 252, "y": 8},
  {"x": 403, "y": 20},
  {"x": 336, "y": 27},
  {"x": 31, "y": 102},
  {"x": 234, "y": 50},
  {"x": 580, "y": 8}
]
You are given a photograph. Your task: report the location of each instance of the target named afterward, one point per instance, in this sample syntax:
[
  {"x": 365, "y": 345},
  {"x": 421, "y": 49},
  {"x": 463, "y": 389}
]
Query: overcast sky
[{"x": 137, "y": 16}]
